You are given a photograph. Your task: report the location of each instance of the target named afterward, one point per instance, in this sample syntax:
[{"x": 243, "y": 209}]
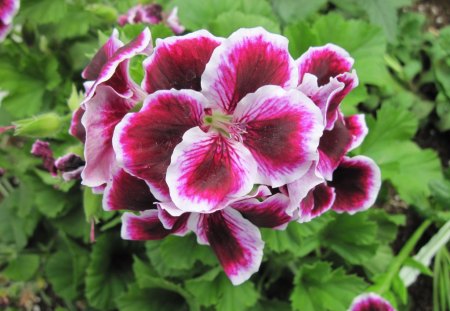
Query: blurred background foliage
[{"x": 402, "y": 57}]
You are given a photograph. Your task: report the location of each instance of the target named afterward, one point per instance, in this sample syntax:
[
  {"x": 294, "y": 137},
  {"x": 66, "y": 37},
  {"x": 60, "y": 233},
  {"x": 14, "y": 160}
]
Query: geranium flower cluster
[
  {"x": 8, "y": 9},
  {"x": 223, "y": 136}
]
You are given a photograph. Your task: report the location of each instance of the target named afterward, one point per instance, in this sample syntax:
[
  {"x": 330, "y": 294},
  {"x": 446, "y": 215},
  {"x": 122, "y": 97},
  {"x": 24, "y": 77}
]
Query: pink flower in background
[
  {"x": 370, "y": 302},
  {"x": 8, "y": 9},
  {"x": 152, "y": 14},
  {"x": 223, "y": 136}
]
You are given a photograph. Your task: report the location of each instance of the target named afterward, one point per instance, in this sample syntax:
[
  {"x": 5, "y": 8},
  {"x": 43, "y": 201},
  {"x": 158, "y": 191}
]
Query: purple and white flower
[
  {"x": 233, "y": 135},
  {"x": 370, "y": 302}
]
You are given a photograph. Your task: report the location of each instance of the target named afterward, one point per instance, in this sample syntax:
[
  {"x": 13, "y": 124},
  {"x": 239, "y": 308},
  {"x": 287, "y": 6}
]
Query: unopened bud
[{"x": 44, "y": 125}]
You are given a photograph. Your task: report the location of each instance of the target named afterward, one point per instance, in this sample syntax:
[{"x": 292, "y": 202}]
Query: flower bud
[{"x": 44, "y": 125}]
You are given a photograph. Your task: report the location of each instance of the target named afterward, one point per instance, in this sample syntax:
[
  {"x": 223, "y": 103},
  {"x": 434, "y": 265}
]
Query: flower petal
[
  {"x": 126, "y": 192},
  {"x": 322, "y": 96},
  {"x": 235, "y": 241},
  {"x": 356, "y": 124},
  {"x": 298, "y": 189},
  {"x": 370, "y": 302},
  {"x": 333, "y": 146},
  {"x": 317, "y": 201},
  {"x": 77, "y": 129},
  {"x": 174, "y": 23},
  {"x": 270, "y": 213},
  {"x": 282, "y": 131},
  {"x": 207, "y": 171},
  {"x": 106, "y": 52},
  {"x": 351, "y": 81},
  {"x": 179, "y": 62},
  {"x": 356, "y": 182},
  {"x": 8, "y": 8},
  {"x": 144, "y": 141},
  {"x": 103, "y": 112},
  {"x": 325, "y": 62},
  {"x": 178, "y": 225},
  {"x": 143, "y": 227},
  {"x": 246, "y": 61},
  {"x": 114, "y": 70}
]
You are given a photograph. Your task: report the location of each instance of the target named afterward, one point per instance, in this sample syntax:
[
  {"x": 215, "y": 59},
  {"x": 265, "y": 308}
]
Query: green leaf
[
  {"x": 22, "y": 268},
  {"x": 319, "y": 288},
  {"x": 168, "y": 256},
  {"x": 15, "y": 229},
  {"x": 407, "y": 166},
  {"x": 353, "y": 237},
  {"x": 92, "y": 204},
  {"x": 65, "y": 270},
  {"x": 108, "y": 272},
  {"x": 215, "y": 289},
  {"x": 399, "y": 288},
  {"x": 384, "y": 14},
  {"x": 222, "y": 26},
  {"x": 173, "y": 249},
  {"x": 298, "y": 239},
  {"x": 136, "y": 299},
  {"x": 292, "y": 11},
  {"x": 44, "y": 11}
]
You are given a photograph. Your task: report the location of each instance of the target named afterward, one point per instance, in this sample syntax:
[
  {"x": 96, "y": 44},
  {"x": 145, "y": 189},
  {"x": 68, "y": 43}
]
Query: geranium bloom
[
  {"x": 8, "y": 9},
  {"x": 151, "y": 14},
  {"x": 370, "y": 302},
  {"x": 223, "y": 124}
]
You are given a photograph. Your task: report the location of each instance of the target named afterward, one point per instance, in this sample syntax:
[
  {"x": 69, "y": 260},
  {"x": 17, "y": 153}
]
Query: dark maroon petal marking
[
  {"x": 103, "y": 112},
  {"x": 333, "y": 146},
  {"x": 317, "y": 201},
  {"x": 324, "y": 62},
  {"x": 235, "y": 241},
  {"x": 143, "y": 227},
  {"x": 179, "y": 62},
  {"x": 144, "y": 141},
  {"x": 246, "y": 61},
  {"x": 208, "y": 170},
  {"x": 76, "y": 128},
  {"x": 370, "y": 302},
  {"x": 126, "y": 192},
  {"x": 270, "y": 213},
  {"x": 282, "y": 130},
  {"x": 356, "y": 124},
  {"x": 356, "y": 182}
]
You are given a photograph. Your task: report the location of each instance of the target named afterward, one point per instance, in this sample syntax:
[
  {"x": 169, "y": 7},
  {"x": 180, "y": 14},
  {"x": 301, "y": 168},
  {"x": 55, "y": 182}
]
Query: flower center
[{"x": 223, "y": 124}]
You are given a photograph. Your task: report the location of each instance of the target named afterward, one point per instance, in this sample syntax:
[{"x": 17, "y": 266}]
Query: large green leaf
[
  {"x": 353, "y": 237},
  {"x": 215, "y": 289},
  {"x": 65, "y": 269},
  {"x": 109, "y": 271},
  {"x": 221, "y": 26},
  {"x": 319, "y": 288},
  {"x": 22, "y": 268},
  {"x": 136, "y": 299}
]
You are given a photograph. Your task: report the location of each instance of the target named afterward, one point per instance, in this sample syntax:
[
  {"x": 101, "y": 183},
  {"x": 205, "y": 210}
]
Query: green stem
[
  {"x": 396, "y": 264},
  {"x": 3, "y": 191}
]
